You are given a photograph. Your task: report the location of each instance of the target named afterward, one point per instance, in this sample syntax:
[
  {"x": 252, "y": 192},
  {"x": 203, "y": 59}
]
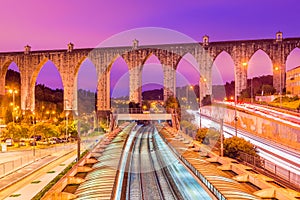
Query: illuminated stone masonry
[{"x": 68, "y": 62}]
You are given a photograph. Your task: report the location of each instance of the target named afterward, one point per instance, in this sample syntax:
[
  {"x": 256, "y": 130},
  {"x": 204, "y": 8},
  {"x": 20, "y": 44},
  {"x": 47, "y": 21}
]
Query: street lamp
[
  {"x": 245, "y": 64},
  {"x": 200, "y": 99},
  {"x": 34, "y": 140},
  {"x": 222, "y": 138},
  {"x": 279, "y": 69},
  {"x": 67, "y": 115},
  {"x": 251, "y": 90},
  {"x": 235, "y": 114},
  {"x": 48, "y": 113},
  {"x": 188, "y": 93},
  {"x": 13, "y": 92}
]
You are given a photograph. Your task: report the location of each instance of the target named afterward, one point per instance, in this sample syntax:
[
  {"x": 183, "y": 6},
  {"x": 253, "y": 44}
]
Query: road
[
  {"x": 153, "y": 171},
  {"x": 15, "y": 159},
  {"x": 17, "y": 154},
  {"x": 25, "y": 187},
  {"x": 288, "y": 159},
  {"x": 293, "y": 120}
]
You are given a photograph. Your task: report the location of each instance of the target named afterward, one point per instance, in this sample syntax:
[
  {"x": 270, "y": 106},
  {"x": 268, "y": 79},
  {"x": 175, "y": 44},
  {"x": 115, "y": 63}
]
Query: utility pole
[
  {"x": 235, "y": 116},
  {"x": 222, "y": 138},
  {"x": 78, "y": 141},
  {"x": 13, "y": 92},
  {"x": 280, "y": 87},
  {"x": 200, "y": 124}
]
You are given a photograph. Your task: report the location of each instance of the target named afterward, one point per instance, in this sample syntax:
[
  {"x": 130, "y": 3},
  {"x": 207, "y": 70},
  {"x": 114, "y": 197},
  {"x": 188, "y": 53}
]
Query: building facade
[{"x": 293, "y": 81}]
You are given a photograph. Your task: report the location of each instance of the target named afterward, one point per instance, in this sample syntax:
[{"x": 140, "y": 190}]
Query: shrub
[
  {"x": 205, "y": 134},
  {"x": 234, "y": 145}
]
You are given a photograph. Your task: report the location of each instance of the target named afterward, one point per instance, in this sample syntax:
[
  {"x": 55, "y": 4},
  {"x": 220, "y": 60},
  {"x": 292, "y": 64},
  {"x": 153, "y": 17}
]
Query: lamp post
[
  {"x": 13, "y": 92},
  {"x": 78, "y": 140},
  {"x": 235, "y": 114},
  {"x": 222, "y": 138},
  {"x": 48, "y": 113},
  {"x": 200, "y": 103},
  {"x": 67, "y": 115},
  {"x": 251, "y": 91},
  {"x": 279, "y": 69},
  {"x": 34, "y": 138},
  {"x": 245, "y": 65},
  {"x": 188, "y": 93},
  {"x": 235, "y": 117}
]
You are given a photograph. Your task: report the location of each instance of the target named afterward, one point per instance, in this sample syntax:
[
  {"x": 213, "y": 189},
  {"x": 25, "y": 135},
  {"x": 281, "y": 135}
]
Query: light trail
[
  {"x": 284, "y": 158},
  {"x": 268, "y": 113},
  {"x": 154, "y": 172}
]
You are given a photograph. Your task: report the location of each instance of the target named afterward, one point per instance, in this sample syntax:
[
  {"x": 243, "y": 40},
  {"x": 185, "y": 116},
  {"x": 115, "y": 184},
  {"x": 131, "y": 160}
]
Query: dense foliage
[
  {"x": 204, "y": 135},
  {"x": 234, "y": 145},
  {"x": 291, "y": 103},
  {"x": 259, "y": 84}
]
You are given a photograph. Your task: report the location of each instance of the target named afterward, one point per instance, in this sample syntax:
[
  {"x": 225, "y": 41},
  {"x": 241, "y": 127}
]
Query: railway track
[
  {"x": 134, "y": 184},
  {"x": 152, "y": 171},
  {"x": 146, "y": 178}
]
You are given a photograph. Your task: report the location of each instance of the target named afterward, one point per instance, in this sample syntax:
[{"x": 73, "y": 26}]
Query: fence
[
  {"x": 271, "y": 169},
  {"x": 203, "y": 179},
  {"x": 137, "y": 111},
  {"x": 27, "y": 157}
]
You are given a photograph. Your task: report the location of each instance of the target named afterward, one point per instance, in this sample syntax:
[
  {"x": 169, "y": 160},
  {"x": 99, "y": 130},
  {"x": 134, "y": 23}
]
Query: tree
[
  {"x": 172, "y": 104},
  {"x": 204, "y": 135},
  {"x": 234, "y": 145},
  {"x": 25, "y": 130},
  {"x": 146, "y": 105},
  {"x": 12, "y": 130},
  {"x": 187, "y": 116},
  {"x": 206, "y": 100},
  {"x": 8, "y": 116},
  {"x": 246, "y": 93},
  {"x": 268, "y": 89},
  {"x": 201, "y": 134},
  {"x": 133, "y": 106},
  {"x": 46, "y": 130}
]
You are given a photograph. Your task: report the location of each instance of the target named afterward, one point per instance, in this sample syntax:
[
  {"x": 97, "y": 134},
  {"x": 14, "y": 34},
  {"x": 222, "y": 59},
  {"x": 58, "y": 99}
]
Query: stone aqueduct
[{"x": 68, "y": 63}]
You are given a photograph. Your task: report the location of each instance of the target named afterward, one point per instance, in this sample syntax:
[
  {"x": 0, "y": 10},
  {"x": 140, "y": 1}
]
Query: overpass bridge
[
  {"x": 145, "y": 116},
  {"x": 138, "y": 114}
]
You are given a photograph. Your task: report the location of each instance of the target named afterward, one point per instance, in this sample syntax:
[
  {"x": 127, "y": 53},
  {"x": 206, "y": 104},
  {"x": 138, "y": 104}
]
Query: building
[{"x": 293, "y": 81}]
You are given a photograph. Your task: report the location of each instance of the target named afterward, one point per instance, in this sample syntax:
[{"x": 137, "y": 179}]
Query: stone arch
[
  {"x": 167, "y": 57},
  {"x": 192, "y": 56},
  {"x": 5, "y": 97},
  {"x": 192, "y": 72},
  {"x": 70, "y": 102},
  {"x": 150, "y": 54},
  {"x": 168, "y": 60},
  {"x": 265, "y": 54},
  {"x": 188, "y": 80},
  {"x": 219, "y": 74},
  {"x": 259, "y": 64},
  {"x": 33, "y": 80},
  {"x": 290, "y": 64},
  {"x": 156, "y": 67},
  {"x": 111, "y": 69},
  {"x": 220, "y": 52},
  {"x": 3, "y": 72},
  {"x": 5, "y": 67},
  {"x": 78, "y": 65},
  {"x": 222, "y": 76},
  {"x": 258, "y": 51},
  {"x": 104, "y": 86}
]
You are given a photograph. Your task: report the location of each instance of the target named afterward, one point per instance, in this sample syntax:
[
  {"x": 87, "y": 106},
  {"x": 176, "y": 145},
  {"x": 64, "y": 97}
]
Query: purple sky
[{"x": 53, "y": 24}]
